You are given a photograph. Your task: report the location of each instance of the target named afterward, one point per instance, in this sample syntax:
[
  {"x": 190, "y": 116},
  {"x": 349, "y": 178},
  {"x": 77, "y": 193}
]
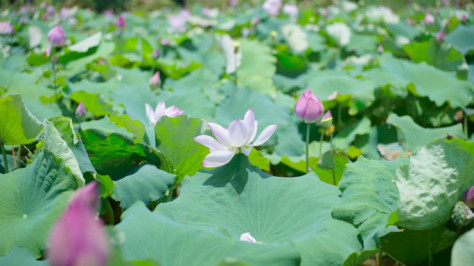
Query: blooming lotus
[
  {"x": 155, "y": 80},
  {"x": 6, "y": 28},
  {"x": 239, "y": 137},
  {"x": 160, "y": 111},
  {"x": 78, "y": 238},
  {"x": 120, "y": 22},
  {"x": 291, "y": 10},
  {"x": 340, "y": 32},
  {"x": 233, "y": 54},
  {"x": 309, "y": 108},
  {"x": 56, "y": 36},
  {"x": 272, "y": 7},
  {"x": 429, "y": 19}
]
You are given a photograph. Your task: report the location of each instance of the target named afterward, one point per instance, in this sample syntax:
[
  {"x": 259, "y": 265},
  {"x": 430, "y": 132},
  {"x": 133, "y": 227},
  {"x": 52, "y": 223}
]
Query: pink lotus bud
[
  {"x": 326, "y": 121},
  {"x": 440, "y": 36},
  {"x": 43, "y": 5},
  {"x": 309, "y": 108},
  {"x": 255, "y": 21},
  {"x": 291, "y": 10},
  {"x": 272, "y": 7},
  {"x": 78, "y": 237},
  {"x": 6, "y": 28},
  {"x": 156, "y": 54},
  {"x": 233, "y": 3},
  {"x": 56, "y": 36},
  {"x": 50, "y": 10},
  {"x": 165, "y": 42},
  {"x": 409, "y": 21},
  {"x": 380, "y": 49},
  {"x": 459, "y": 116},
  {"x": 206, "y": 11},
  {"x": 429, "y": 19},
  {"x": 45, "y": 16},
  {"x": 81, "y": 110},
  {"x": 24, "y": 10},
  {"x": 155, "y": 80},
  {"x": 469, "y": 197},
  {"x": 120, "y": 22},
  {"x": 464, "y": 18}
]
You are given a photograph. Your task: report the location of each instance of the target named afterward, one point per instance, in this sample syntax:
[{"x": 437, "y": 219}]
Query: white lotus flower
[
  {"x": 340, "y": 32},
  {"x": 382, "y": 13},
  {"x": 237, "y": 138},
  {"x": 272, "y": 7},
  {"x": 233, "y": 54},
  {"x": 160, "y": 111},
  {"x": 296, "y": 37},
  {"x": 247, "y": 237}
]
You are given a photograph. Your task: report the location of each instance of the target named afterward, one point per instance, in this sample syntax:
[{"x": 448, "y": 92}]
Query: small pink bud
[
  {"x": 43, "y": 5},
  {"x": 459, "y": 116},
  {"x": 380, "y": 49},
  {"x": 120, "y": 22},
  {"x": 464, "y": 18},
  {"x": 326, "y": 13},
  {"x": 429, "y": 19},
  {"x": 50, "y": 10},
  {"x": 48, "y": 51},
  {"x": 255, "y": 21},
  {"x": 233, "y": 3},
  {"x": 309, "y": 108},
  {"x": 440, "y": 36},
  {"x": 326, "y": 121},
  {"x": 155, "y": 80},
  {"x": 81, "y": 110},
  {"x": 469, "y": 197},
  {"x": 6, "y": 28},
  {"x": 409, "y": 21},
  {"x": 156, "y": 54},
  {"x": 78, "y": 237},
  {"x": 56, "y": 36}
]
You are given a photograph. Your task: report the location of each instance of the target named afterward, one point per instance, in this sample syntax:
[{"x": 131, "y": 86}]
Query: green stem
[
  {"x": 308, "y": 126},
  {"x": 466, "y": 133},
  {"x": 333, "y": 164},
  {"x": 5, "y": 162},
  {"x": 321, "y": 146}
]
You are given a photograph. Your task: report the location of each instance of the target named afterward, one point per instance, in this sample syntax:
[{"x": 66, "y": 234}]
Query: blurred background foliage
[{"x": 148, "y": 5}]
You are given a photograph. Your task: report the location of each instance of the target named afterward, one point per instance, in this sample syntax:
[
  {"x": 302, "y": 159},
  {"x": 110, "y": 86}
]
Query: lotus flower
[
  {"x": 272, "y": 7},
  {"x": 239, "y": 137},
  {"x": 6, "y": 28},
  {"x": 56, "y": 36},
  {"x": 155, "y": 80},
  {"x": 429, "y": 19},
  {"x": 81, "y": 110},
  {"x": 178, "y": 22},
  {"x": 160, "y": 111},
  {"x": 409, "y": 21},
  {"x": 290, "y": 10},
  {"x": 464, "y": 18},
  {"x": 78, "y": 237},
  {"x": 309, "y": 107},
  {"x": 340, "y": 32},
  {"x": 440, "y": 36},
  {"x": 120, "y": 22},
  {"x": 247, "y": 237},
  {"x": 326, "y": 121},
  {"x": 156, "y": 54},
  {"x": 233, "y": 54},
  {"x": 469, "y": 197},
  {"x": 233, "y": 3}
]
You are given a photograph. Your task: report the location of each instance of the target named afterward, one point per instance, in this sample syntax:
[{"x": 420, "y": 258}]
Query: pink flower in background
[
  {"x": 160, "y": 111},
  {"x": 50, "y": 10},
  {"x": 309, "y": 107},
  {"x": 206, "y": 11},
  {"x": 380, "y": 49},
  {"x": 469, "y": 197},
  {"x": 43, "y": 5},
  {"x": 178, "y": 22},
  {"x": 78, "y": 237},
  {"x": 272, "y": 7},
  {"x": 56, "y": 36},
  {"x": 81, "y": 110},
  {"x": 429, "y": 19},
  {"x": 233, "y": 3},
  {"x": 464, "y": 18},
  {"x": 409, "y": 21},
  {"x": 120, "y": 22},
  {"x": 239, "y": 137},
  {"x": 109, "y": 13},
  {"x": 440, "y": 36},
  {"x": 291, "y": 10},
  {"x": 6, "y": 28},
  {"x": 156, "y": 54},
  {"x": 155, "y": 80},
  {"x": 255, "y": 21},
  {"x": 247, "y": 237}
]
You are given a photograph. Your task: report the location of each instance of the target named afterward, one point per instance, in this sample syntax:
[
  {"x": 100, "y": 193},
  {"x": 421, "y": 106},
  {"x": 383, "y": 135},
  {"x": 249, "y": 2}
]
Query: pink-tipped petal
[
  {"x": 218, "y": 158},
  {"x": 300, "y": 107},
  {"x": 150, "y": 114},
  {"x": 221, "y": 134},
  {"x": 237, "y": 133},
  {"x": 265, "y": 135},
  {"x": 210, "y": 142},
  {"x": 249, "y": 122},
  {"x": 247, "y": 237},
  {"x": 173, "y": 111},
  {"x": 254, "y": 133}
]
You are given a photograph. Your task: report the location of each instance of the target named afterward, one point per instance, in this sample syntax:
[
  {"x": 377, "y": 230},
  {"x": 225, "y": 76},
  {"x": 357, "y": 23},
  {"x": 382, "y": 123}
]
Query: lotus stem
[
  {"x": 308, "y": 127},
  {"x": 5, "y": 162},
  {"x": 321, "y": 146},
  {"x": 332, "y": 158},
  {"x": 466, "y": 133}
]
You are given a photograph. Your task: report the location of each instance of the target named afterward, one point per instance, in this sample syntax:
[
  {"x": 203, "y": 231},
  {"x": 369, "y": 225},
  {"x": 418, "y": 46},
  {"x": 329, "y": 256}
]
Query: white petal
[
  {"x": 210, "y": 142},
  {"x": 221, "y": 134},
  {"x": 218, "y": 158},
  {"x": 254, "y": 133},
  {"x": 160, "y": 110},
  {"x": 150, "y": 114},
  {"x": 265, "y": 135},
  {"x": 173, "y": 111},
  {"x": 249, "y": 122},
  {"x": 247, "y": 149},
  {"x": 247, "y": 237},
  {"x": 237, "y": 133}
]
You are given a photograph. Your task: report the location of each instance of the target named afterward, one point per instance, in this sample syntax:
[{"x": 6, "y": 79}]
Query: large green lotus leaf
[
  {"x": 239, "y": 198},
  {"x": 266, "y": 111},
  {"x": 133, "y": 126},
  {"x": 345, "y": 137},
  {"x": 174, "y": 138},
  {"x": 412, "y": 136},
  {"x": 115, "y": 154},
  {"x": 194, "y": 102},
  {"x": 32, "y": 198},
  {"x": 462, "y": 253},
  {"x": 17, "y": 125},
  {"x": 413, "y": 247},
  {"x": 86, "y": 44},
  {"x": 133, "y": 99},
  {"x": 362, "y": 44},
  {"x": 434, "y": 180},
  {"x": 325, "y": 83},
  {"x": 403, "y": 29},
  {"x": 147, "y": 184},
  {"x": 257, "y": 68},
  {"x": 21, "y": 256},
  {"x": 92, "y": 102},
  {"x": 439, "y": 86},
  {"x": 80, "y": 62},
  {"x": 438, "y": 54},
  {"x": 172, "y": 243},
  {"x": 368, "y": 197},
  {"x": 462, "y": 38}
]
